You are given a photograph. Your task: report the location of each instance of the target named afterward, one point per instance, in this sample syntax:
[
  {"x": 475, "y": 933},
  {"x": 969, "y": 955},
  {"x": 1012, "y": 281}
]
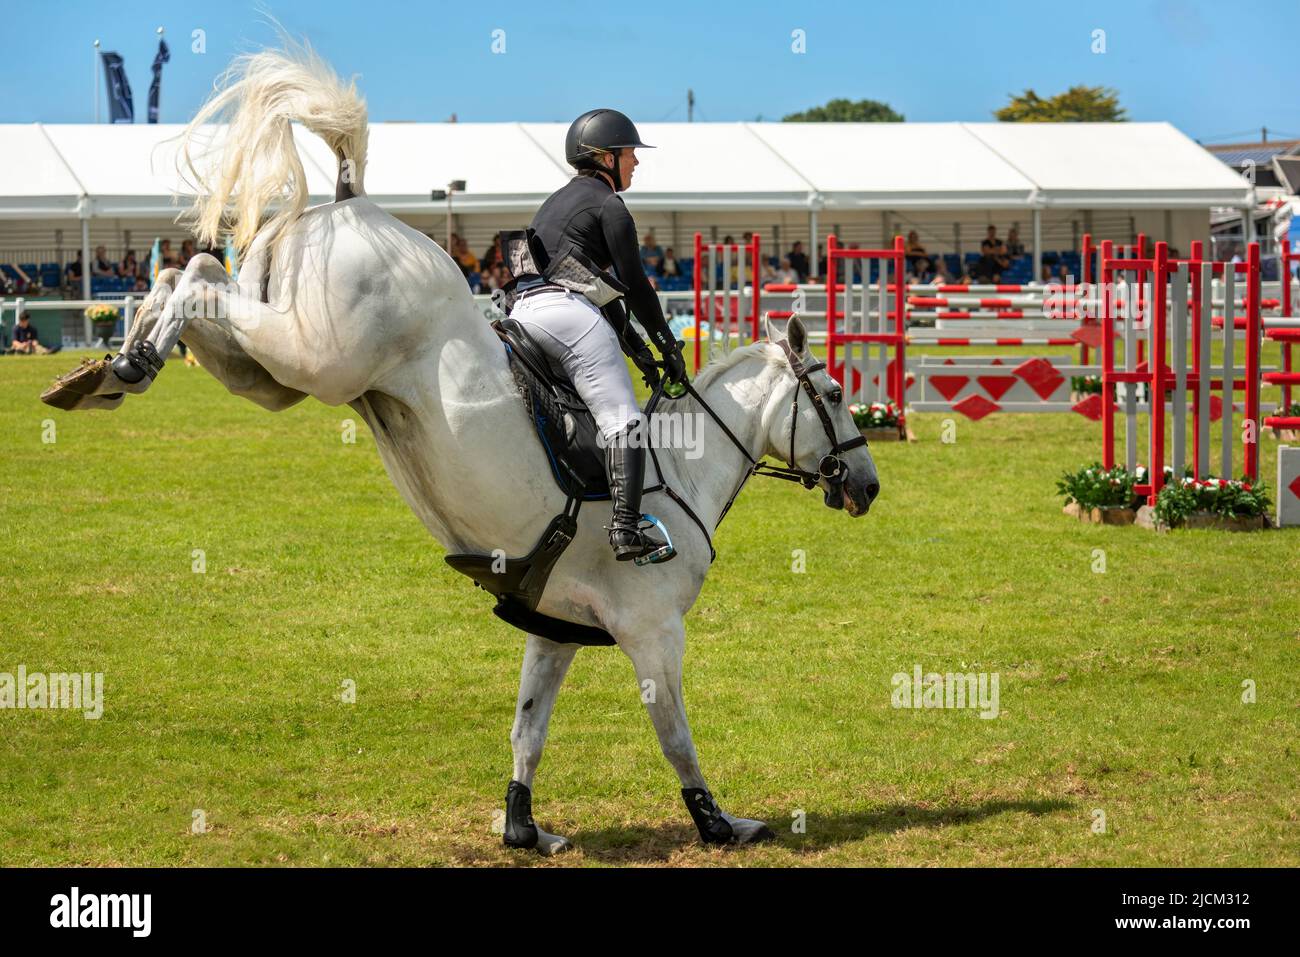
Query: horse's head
[{"x": 809, "y": 426}]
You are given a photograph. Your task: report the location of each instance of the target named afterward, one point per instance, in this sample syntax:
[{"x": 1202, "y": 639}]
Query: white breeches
[{"x": 576, "y": 337}]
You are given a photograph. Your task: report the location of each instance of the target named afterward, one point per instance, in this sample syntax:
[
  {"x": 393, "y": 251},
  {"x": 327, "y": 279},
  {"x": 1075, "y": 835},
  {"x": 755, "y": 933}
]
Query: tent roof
[{"x": 130, "y": 171}]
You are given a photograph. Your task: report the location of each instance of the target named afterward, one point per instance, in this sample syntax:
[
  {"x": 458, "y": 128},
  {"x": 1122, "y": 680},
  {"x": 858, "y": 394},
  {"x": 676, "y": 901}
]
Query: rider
[{"x": 588, "y": 216}]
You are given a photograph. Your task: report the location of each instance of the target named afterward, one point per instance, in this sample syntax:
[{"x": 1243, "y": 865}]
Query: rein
[{"x": 831, "y": 467}]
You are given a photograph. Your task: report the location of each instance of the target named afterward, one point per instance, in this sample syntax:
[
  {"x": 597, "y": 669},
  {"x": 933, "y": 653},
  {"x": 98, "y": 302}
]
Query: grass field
[{"x": 1120, "y": 692}]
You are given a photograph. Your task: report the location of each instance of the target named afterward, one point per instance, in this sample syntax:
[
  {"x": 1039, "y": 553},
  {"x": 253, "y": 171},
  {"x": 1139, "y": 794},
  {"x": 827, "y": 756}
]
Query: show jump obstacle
[
  {"x": 871, "y": 317},
  {"x": 1179, "y": 291},
  {"x": 727, "y": 296},
  {"x": 1286, "y": 331}
]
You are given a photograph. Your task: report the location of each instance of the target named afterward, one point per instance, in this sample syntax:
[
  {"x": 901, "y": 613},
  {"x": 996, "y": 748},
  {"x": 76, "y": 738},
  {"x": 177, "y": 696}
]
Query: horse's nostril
[{"x": 873, "y": 489}]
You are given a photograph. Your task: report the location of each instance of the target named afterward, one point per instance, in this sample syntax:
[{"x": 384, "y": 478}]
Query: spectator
[
  {"x": 187, "y": 253},
  {"x": 798, "y": 261},
  {"x": 497, "y": 277},
  {"x": 1014, "y": 246},
  {"x": 101, "y": 265},
  {"x": 73, "y": 270},
  {"x": 670, "y": 266},
  {"x": 166, "y": 255},
  {"x": 25, "y": 341},
  {"x": 141, "y": 284},
  {"x": 652, "y": 255},
  {"x": 992, "y": 257},
  {"x": 918, "y": 262},
  {"x": 787, "y": 272},
  {"x": 129, "y": 267},
  {"x": 769, "y": 273},
  {"x": 821, "y": 260},
  {"x": 493, "y": 255},
  {"x": 467, "y": 260}
]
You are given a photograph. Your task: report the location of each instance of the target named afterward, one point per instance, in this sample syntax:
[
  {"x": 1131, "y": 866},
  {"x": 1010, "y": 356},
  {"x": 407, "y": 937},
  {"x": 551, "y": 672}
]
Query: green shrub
[
  {"x": 1226, "y": 497},
  {"x": 1098, "y": 487}
]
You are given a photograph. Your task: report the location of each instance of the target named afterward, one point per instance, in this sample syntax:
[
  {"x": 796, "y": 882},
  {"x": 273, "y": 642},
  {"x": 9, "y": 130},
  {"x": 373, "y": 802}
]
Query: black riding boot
[{"x": 625, "y": 466}]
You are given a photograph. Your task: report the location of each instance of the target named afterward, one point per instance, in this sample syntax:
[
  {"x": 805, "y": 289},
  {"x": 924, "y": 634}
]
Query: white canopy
[{"x": 130, "y": 172}]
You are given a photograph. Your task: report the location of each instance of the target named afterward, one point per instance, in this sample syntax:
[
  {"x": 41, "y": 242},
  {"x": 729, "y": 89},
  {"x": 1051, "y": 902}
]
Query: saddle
[
  {"x": 568, "y": 433},
  {"x": 564, "y": 424}
]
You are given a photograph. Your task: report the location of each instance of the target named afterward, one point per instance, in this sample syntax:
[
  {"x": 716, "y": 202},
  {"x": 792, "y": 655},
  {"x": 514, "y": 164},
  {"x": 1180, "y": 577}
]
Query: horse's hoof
[
  {"x": 92, "y": 385},
  {"x": 544, "y": 843},
  {"x": 522, "y": 831},
  {"x": 746, "y": 831},
  {"x": 549, "y": 845}
]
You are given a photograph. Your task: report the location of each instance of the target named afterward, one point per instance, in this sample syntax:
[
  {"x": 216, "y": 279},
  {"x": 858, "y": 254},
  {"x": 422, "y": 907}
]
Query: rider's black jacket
[{"x": 588, "y": 215}]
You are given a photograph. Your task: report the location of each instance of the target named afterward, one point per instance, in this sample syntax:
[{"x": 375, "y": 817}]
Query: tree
[
  {"x": 847, "y": 111},
  {"x": 1078, "y": 104}
]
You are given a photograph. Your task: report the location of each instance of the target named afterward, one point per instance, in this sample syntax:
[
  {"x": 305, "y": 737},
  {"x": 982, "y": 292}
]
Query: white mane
[{"x": 721, "y": 364}]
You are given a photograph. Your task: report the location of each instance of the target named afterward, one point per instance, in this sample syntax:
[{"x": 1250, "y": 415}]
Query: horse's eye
[{"x": 837, "y": 397}]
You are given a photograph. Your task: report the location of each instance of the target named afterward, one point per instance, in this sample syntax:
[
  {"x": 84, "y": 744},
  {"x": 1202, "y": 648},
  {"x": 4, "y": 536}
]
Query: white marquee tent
[{"x": 126, "y": 173}]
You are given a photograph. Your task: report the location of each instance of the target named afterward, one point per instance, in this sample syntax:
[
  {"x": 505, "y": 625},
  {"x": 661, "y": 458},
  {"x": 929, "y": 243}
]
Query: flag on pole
[
  {"x": 155, "y": 88},
  {"x": 121, "y": 108},
  {"x": 155, "y": 261}
]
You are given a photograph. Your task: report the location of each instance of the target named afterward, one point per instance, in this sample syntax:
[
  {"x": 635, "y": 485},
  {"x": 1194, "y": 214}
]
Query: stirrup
[{"x": 652, "y": 554}]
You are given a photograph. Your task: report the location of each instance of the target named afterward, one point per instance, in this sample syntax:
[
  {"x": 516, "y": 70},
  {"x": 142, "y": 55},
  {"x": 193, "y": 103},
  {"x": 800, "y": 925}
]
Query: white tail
[{"x": 257, "y": 167}]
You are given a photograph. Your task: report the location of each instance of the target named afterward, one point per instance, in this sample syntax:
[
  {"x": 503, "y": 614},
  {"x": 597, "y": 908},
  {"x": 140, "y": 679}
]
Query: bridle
[{"x": 831, "y": 467}]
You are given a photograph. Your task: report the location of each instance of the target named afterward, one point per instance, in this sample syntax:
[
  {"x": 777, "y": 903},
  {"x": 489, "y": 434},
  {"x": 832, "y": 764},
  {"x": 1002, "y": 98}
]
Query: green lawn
[{"x": 1119, "y": 692}]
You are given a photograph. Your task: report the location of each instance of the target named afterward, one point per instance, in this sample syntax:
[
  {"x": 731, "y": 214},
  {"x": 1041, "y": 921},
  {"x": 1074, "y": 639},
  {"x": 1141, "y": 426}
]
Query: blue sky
[{"x": 1202, "y": 66}]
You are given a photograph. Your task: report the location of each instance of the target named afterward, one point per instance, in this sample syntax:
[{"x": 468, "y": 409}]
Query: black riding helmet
[{"x": 596, "y": 132}]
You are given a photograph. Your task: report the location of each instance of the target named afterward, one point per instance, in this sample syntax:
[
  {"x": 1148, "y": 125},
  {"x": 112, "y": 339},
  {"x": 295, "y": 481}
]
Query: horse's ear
[
  {"x": 772, "y": 330},
  {"x": 797, "y": 334}
]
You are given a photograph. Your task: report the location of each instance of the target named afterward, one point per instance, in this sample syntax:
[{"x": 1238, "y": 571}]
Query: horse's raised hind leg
[
  {"x": 657, "y": 658},
  {"x": 545, "y": 665},
  {"x": 203, "y": 291},
  {"x": 228, "y": 363},
  {"x": 229, "y": 328}
]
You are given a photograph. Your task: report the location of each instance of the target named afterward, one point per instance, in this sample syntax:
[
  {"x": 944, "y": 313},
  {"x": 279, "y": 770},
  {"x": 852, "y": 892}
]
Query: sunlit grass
[{"x": 1120, "y": 692}]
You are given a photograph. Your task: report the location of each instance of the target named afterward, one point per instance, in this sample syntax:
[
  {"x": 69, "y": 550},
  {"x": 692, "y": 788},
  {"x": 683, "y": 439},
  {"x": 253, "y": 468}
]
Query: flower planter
[
  {"x": 888, "y": 433},
  {"x": 1286, "y": 435},
  {"x": 1112, "y": 515},
  {"x": 1104, "y": 515},
  {"x": 1227, "y": 523}
]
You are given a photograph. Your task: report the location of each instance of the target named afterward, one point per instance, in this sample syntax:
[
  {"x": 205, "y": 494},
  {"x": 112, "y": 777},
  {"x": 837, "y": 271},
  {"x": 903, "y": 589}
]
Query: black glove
[
  {"x": 644, "y": 360},
  {"x": 675, "y": 365}
]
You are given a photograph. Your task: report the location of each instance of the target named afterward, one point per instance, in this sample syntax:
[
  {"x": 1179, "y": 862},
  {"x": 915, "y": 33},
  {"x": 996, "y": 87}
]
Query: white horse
[{"x": 345, "y": 303}]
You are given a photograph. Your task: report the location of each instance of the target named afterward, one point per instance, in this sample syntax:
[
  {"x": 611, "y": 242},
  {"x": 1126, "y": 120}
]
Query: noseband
[{"x": 832, "y": 468}]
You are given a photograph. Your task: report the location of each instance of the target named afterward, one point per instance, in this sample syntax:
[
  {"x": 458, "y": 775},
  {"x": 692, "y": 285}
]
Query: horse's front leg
[
  {"x": 545, "y": 665},
  {"x": 657, "y": 657}
]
